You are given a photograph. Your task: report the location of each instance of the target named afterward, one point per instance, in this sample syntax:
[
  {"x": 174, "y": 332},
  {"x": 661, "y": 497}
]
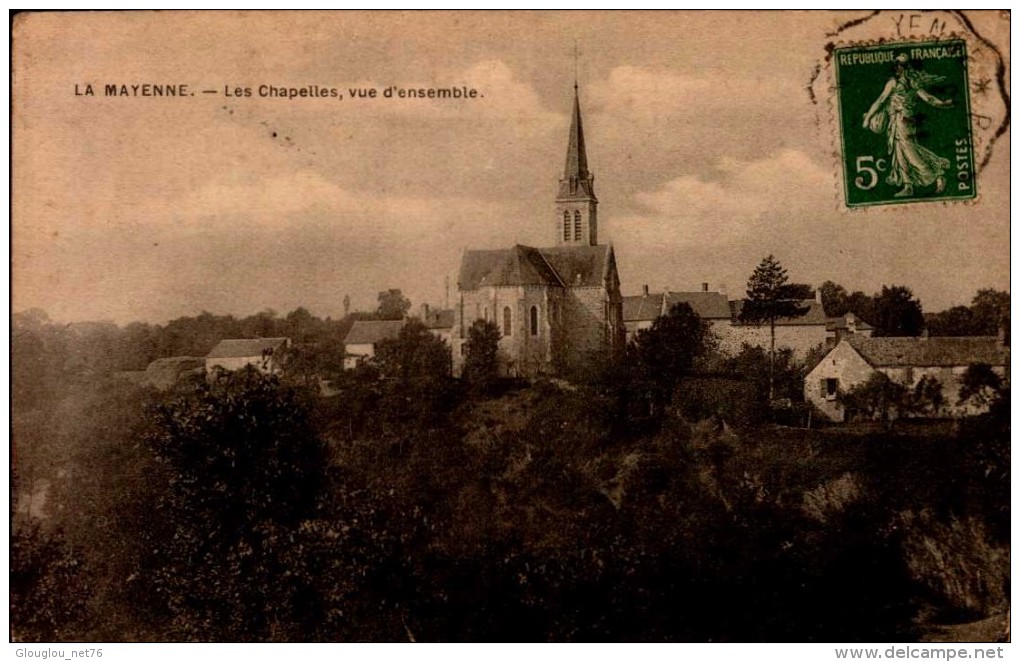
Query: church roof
[
  {"x": 570, "y": 266},
  {"x": 943, "y": 352}
]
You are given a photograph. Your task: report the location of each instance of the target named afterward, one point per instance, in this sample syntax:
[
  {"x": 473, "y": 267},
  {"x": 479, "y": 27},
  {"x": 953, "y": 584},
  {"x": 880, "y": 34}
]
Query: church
[{"x": 557, "y": 307}]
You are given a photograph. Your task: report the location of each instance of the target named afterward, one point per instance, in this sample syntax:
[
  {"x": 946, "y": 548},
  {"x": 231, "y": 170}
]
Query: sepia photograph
[{"x": 510, "y": 326}]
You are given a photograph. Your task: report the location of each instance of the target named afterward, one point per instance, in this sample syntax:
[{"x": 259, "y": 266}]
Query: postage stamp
[{"x": 905, "y": 122}]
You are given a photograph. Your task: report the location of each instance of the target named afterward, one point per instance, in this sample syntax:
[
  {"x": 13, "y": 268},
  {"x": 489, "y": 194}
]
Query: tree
[
  {"x": 664, "y": 353},
  {"x": 481, "y": 363},
  {"x": 835, "y": 299},
  {"x": 980, "y": 385},
  {"x": 877, "y": 397},
  {"x": 955, "y": 321},
  {"x": 243, "y": 474},
  {"x": 897, "y": 313},
  {"x": 48, "y": 590},
  {"x": 769, "y": 298},
  {"x": 393, "y": 305},
  {"x": 991, "y": 311},
  {"x": 928, "y": 397},
  {"x": 416, "y": 369}
]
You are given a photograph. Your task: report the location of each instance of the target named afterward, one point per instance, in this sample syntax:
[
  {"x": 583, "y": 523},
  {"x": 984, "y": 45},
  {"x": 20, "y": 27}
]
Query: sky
[{"x": 707, "y": 148}]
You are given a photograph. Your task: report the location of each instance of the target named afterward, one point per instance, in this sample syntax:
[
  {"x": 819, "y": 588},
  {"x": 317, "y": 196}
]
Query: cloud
[
  {"x": 644, "y": 94},
  {"x": 732, "y": 200},
  {"x": 716, "y": 226}
]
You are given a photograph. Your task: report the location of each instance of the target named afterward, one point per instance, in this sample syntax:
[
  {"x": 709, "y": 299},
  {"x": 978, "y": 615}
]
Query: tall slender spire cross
[{"x": 575, "y": 65}]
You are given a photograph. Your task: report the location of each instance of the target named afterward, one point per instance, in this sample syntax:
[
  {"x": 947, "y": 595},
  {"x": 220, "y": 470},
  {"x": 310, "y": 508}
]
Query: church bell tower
[{"x": 576, "y": 220}]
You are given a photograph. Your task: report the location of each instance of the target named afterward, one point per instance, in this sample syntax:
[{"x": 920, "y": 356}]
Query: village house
[
  {"x": 360, "y": 342},
  {"x": 265, "y": 354},
  {"x": 363, "y": 337},
  {"x": 905, "y": 361},
  {"x": 639, "y": 312},
  {"x": 837, "y": 328},
  {"x": 440, "y": 321},
  {"x": 555, "y": 307},
  {"x": 801, "y": 334}
]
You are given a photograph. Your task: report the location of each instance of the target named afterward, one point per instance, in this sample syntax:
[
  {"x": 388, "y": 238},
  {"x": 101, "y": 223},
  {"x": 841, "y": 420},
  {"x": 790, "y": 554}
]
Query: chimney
[
  {"x": 425, "y": 312},
  {"x": 851, "y": 323},
  {"x": 818, "y": 295},
  {"x": 704, "y": 287},
  {"x": 644, "y": 289}
]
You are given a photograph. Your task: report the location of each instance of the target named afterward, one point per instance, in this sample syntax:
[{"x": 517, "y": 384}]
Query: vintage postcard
[{"x": 511, "y": 327}]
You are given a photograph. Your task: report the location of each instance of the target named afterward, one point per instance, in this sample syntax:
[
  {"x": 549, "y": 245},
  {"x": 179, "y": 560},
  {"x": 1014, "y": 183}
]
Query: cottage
[
  {"x": 639, "y": 312},
  {"x": 837, "y": 328},
  {"x": 265, "y": 354},
  {"x": 905, "y": 361},
  {"x": 440, "y": 321},
  {"x": 360, "y": 342},
  {"x": 802, "y": 333}
]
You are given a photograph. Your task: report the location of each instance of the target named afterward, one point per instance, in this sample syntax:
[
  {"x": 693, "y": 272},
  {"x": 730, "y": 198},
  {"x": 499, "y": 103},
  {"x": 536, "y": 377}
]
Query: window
[
  {"x": 507, "y": 321},
  {"x": 486, "y": 309},
  {"x": 534, "y": 320},
  {"x": 577, "y": 226},
  {"x": 829, "y": 388},
  {"x": 566, "y": 226}
]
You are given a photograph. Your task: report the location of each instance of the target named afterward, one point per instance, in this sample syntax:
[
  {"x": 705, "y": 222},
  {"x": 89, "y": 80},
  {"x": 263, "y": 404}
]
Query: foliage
[
  {"x": 769, "y": 298},
  {"x": 927, "y": 397},
  {"x": 661, "y": 355},
  {"x": 991, "y": 311},
  {"x": 416, "y": 371},
  {"x": 481, "y": 363},
  {"x": 878, "y": 397},
  {"x": 244, "y": 472},
  {"x": 393, "y": 305},
  {"x": 986, "y": 316},
  {"x": 979, "y": 385},
  {"x": 955, "y": 321},
  {"x": 49, "y": 592},
  {"x": 897, "y": 313}
]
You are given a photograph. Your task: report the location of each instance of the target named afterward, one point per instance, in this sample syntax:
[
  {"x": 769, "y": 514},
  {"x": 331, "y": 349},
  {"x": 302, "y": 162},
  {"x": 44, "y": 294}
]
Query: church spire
[
  {"x": 577, "y": 159},
  {"x": 576, "y": 202}
]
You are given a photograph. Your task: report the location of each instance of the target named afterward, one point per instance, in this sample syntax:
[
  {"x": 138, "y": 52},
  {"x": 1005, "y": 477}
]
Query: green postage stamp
[{"x": 905, "y": 123}]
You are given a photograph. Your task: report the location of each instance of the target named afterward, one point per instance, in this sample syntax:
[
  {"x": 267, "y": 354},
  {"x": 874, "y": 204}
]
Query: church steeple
[{"x": 575, "y": 205}]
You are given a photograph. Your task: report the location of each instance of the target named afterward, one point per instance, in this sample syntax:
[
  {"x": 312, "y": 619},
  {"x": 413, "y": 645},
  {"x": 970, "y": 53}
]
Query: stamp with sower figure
[{"x": 905, "y": 122}]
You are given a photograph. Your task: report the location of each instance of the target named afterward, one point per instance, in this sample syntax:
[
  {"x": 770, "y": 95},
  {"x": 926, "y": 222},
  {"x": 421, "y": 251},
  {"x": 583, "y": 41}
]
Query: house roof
[
  {"x": 815, "y": 314},
  {"x": 642, "y": 308},
  {"x": 442, "y": 318},
  {"x": 708, "y": 305},
  {"x": 241, "y": 347},
  {"x": 369, "y": 332},
  {"x": 931, "y": 352},
  {"x": 843, "y": 322},
  {"x": 560, "y": 266}
]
